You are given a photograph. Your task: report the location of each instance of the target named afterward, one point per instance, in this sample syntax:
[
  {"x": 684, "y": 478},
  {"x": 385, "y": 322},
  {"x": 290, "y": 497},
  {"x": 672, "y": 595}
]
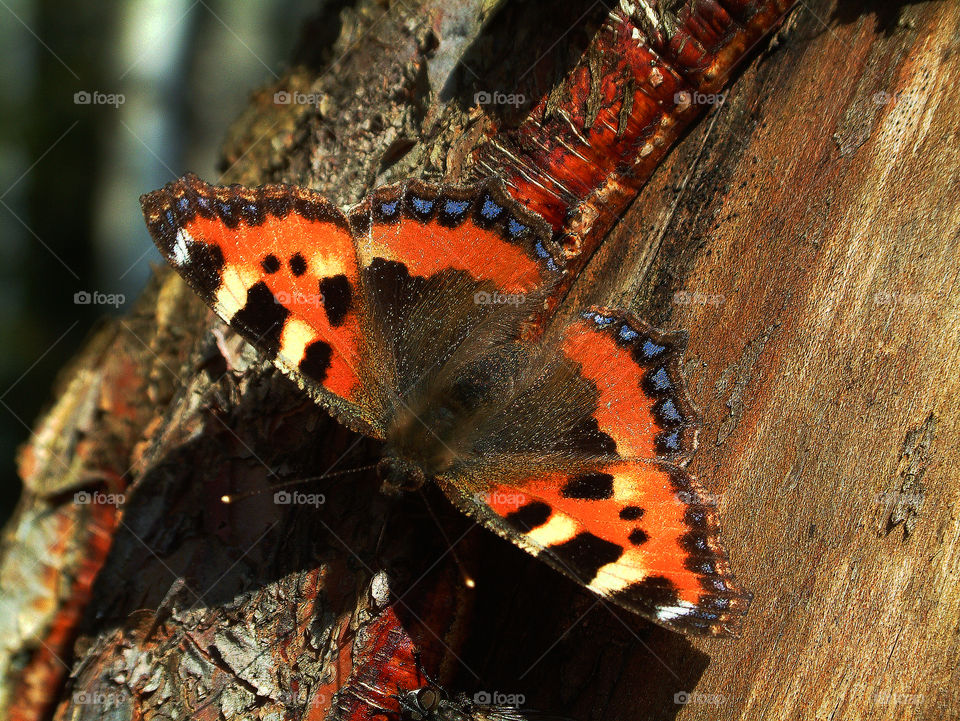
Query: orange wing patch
[
  {"x": 643, "y": 404},
  {"x": 478, "y": 229}
]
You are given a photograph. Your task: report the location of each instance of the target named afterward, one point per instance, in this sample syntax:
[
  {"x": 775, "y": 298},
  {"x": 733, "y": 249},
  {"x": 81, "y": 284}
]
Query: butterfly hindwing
[
  {"x": 580, "y": 467},
  {"x": 642, "y": 534},
  {"x": 278, "y": 264}
]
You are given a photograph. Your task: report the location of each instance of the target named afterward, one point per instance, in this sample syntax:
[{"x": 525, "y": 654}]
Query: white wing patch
[{"x": 181, "y": 248}]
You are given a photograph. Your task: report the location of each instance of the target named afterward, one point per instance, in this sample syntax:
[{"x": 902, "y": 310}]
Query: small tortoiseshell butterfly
[{"x": 405, "y": 319}]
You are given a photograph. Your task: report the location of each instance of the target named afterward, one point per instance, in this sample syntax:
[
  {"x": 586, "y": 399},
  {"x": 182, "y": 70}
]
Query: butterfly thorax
[{"x": 414, "y": 452}]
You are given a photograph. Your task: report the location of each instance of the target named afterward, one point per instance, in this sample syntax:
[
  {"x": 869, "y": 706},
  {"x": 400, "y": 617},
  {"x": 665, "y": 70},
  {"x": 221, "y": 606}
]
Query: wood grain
[{"x": 815, "y": 213}]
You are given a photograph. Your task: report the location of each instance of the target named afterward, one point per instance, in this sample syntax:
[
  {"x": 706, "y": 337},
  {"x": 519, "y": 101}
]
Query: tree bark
[{"x": 804, "y": 233}]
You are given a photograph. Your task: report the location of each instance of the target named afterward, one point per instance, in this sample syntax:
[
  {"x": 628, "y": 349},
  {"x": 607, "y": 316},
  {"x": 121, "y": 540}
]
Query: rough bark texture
[{"x": 804, "y": 232}]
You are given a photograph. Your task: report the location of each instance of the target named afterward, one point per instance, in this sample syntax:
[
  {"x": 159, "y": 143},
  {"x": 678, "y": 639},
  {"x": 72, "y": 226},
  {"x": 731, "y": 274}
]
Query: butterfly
[{"x": 412, "y": 319}]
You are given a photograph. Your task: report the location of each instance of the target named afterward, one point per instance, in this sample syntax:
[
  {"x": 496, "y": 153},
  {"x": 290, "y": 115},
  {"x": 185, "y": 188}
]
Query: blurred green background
[{"x": 101, "y": 102}]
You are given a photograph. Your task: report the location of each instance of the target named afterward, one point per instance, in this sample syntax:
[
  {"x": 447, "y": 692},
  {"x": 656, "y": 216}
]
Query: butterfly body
[{"x": 416, "y": 319}]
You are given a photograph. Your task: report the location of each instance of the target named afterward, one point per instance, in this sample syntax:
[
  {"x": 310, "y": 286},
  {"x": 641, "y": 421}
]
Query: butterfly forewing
[
  {"x": 451, "y": 276},
  {"x": 279, "y": 265}
]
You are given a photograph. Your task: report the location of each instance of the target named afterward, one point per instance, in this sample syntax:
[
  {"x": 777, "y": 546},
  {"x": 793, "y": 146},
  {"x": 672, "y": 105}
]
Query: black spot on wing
[
  {"x": 298, "y": 266},
  {"x": 631, "y": 513},
  {"x": 360, "y": 222},
  {"x": 261, "y": 319},
  {"x": 337, "y": 298},
  {"x": 270, "y": 263},
  {"x": 638, "y": 537},
  {"x": 658, "y": 591},
  {"x": 316, "y": 360},
  {"x": 586, "y": 554},
  {"x": 530, "y": 516},
  {"x": 589, "y": 487}
]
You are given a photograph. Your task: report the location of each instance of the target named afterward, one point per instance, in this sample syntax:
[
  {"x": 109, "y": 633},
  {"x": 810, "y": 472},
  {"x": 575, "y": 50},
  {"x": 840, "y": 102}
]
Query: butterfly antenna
[
  {"x": 232, "y": 498},
  {"x": 468, "y": 580}
]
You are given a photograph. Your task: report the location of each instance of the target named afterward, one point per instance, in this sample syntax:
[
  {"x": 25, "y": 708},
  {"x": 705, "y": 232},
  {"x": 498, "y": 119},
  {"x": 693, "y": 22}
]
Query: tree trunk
[{"x": 803, "y": 232}]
